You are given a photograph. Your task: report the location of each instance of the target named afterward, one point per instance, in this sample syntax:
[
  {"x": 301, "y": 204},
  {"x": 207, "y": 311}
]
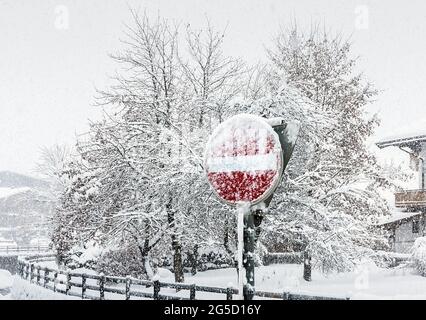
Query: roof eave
[{"x": 402, "y": 142}]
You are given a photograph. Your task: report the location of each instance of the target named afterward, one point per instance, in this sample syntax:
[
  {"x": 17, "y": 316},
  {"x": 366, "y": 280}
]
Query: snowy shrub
[
  {"x": 209, "y": 258},
  {"x": 83, "y": 257},
  {"x": 386, "y": 259},
  {"x": 214, "y": 258},
  {"x": 124, "y": 262},
  {"x": 283, "y": 258},
  {"x": 259, "y": 254},
  {"x": 418, "y": 255}
]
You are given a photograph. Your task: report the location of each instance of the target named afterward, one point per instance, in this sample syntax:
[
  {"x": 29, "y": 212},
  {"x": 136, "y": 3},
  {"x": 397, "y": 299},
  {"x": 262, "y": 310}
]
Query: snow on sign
[{"x": 243, "y": 159}]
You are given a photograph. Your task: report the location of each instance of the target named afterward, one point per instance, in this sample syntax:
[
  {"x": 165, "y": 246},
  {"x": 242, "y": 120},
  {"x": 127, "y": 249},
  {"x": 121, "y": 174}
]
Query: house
[
  {"x": 408, "y": 221},
  {"x": 405, "y": 228}
]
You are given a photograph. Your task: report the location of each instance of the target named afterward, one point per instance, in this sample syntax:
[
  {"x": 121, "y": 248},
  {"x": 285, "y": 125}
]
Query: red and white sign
[{"x": 243, "y": 159}]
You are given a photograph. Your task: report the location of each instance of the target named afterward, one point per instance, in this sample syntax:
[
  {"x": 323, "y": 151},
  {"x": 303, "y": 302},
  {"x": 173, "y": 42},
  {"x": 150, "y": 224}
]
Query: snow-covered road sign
[{"x": 244, "y": 160}]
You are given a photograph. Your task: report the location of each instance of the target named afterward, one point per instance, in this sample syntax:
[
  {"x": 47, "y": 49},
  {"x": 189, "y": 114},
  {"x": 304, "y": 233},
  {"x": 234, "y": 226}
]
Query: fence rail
[
  {"x": 24, "y": 249},
  {"x": 50, "y": 278}
]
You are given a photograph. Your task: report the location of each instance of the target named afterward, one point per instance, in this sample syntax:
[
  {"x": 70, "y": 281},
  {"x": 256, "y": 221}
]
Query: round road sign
[{"x": 243, "y": 160}]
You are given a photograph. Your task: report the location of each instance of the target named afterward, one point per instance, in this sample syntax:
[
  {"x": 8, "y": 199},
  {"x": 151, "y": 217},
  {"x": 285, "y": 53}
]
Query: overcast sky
[{"x": 49, "y": 67}]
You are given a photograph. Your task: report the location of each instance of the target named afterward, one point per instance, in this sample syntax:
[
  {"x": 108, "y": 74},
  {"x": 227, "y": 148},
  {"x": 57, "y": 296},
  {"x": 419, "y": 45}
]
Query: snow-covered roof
[
  {"x": 398, "y": 216},
  {"x": 406, "y": 135}
]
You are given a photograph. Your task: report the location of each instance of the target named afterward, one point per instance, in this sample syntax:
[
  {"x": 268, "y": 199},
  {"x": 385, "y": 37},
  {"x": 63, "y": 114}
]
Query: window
[{"x": 416, "y": 226}]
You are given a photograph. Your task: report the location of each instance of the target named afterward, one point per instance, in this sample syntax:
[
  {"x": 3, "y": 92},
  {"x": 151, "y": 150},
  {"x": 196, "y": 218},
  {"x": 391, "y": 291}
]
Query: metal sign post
[
  {"x": 241, "y": 212},
  {"x": 248, "y": 255}
]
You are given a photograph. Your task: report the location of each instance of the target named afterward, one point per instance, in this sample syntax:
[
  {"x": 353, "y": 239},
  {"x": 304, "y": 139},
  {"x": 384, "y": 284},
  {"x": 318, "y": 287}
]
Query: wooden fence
[
  {"x": 24, "y": 249},
  {"x": 50, "y": 278},
  {"x": 100, "y": 284}
]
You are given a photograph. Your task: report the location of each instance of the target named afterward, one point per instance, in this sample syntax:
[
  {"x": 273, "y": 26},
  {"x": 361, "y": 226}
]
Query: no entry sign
[{"x": 243, "y": 159}]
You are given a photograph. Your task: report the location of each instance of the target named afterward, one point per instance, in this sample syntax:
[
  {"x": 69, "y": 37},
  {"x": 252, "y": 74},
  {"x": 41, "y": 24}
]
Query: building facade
[{"x": 408, "y": 221}]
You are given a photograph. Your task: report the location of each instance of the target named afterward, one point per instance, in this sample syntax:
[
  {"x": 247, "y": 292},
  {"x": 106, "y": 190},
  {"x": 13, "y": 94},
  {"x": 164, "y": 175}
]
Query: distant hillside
[
  {"x": 15, "y": 180},
  {"x": 24, "y": 207}
]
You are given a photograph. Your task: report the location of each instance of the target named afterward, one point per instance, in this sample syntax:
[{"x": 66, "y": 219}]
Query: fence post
[
  {"x": 55, "y": 280},
  {"x": 46, "y": 275},
  {"x": 286, "y": 296},
  {"x": 27, "y": 270},
  {"x": 229, "y": 292},
  {"x": 67, "y": 283},
  {"x": 38, "y": 275},
  {"x": 128, "y": 283},
  {"x": 192, "y": 292},
  {"x": 102, "y": 287},
  {"x": 83, "y": 286},
  {"x": 156, "y": 289}
]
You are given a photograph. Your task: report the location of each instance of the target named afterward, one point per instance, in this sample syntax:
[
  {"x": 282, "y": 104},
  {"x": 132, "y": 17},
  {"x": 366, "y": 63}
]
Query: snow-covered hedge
[
  {"x": 85, "y": 256},
  {"x": 212, "y": 258},
  {"x": 209, "y": 258},
  {"x": 418, "y": 255},
  {"x": 388, "y": 259},
  {"x": 125, "y": 262}
]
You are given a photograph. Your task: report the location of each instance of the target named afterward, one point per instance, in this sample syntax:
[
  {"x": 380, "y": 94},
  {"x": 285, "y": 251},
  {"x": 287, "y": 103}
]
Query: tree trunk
[
  {"x": 226, "y": 244},
  {"x": 177, "y": 262},
  {"x": 226, "y": 240},
  {"x": 194, "y": 260},
  {"x": 176, "y": 246},
  {"x": 145, "y": 260},
  {"x": 307, "y": 268}
]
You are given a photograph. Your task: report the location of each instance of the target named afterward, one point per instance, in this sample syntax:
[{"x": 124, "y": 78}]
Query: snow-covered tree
[
  {"x": 330, "y": 197},
  {"x": 50, "y": 166},
  {"x": 138, "y": 183},
  {"x": 144, "y": 160}
]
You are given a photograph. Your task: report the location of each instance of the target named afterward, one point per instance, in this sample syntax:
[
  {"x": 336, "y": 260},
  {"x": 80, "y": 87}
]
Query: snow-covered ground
[
  {"x": 366, "y": 282},
  {"x": 6, "y": 282}
]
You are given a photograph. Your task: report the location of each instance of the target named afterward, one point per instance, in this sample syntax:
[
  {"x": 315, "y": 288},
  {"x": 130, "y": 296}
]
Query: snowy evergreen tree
[{"x": 330, "y": 198}]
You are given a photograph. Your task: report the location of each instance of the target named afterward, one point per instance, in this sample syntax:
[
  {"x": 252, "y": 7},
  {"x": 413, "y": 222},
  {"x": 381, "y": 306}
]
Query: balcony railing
[{"x": 410, "y": 198}]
